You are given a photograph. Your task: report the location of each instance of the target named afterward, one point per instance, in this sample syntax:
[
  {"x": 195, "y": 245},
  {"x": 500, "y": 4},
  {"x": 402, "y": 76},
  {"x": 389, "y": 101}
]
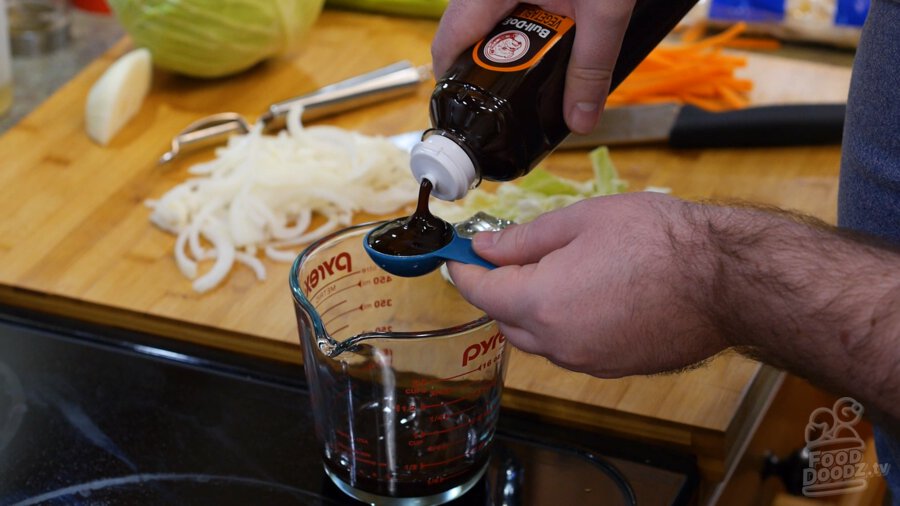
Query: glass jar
[{"x": 38, "y": 26}]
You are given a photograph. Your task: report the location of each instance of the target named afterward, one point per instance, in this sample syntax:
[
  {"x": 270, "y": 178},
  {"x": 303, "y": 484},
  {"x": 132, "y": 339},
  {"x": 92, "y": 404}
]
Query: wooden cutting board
[
  {"x": 75, "y": 237},
  {"x": 780, "y": 80}
]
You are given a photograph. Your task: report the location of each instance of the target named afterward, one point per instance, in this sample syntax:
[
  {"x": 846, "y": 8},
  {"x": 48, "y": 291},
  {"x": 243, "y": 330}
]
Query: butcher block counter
[{"x": 75, "y": 239}]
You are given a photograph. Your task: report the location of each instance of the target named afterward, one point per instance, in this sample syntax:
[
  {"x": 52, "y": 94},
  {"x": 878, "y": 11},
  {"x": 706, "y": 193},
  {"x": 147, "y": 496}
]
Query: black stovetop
[{"x": 98, "y": 416}]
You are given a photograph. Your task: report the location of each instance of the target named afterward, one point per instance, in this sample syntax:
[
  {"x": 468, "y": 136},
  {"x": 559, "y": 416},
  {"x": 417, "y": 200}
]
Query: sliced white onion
[
  {"x": 218, "y": 236},
  {"x": 187, "y": 266},
  {"x": 262, "y": 193},
  {"x": 281, "y": 255},
  {"x": 254, "y": 263}
]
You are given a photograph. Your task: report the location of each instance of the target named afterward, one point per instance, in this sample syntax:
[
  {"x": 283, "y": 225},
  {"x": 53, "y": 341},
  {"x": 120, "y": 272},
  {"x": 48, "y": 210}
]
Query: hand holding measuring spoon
[{"x": 594, "y": 287}]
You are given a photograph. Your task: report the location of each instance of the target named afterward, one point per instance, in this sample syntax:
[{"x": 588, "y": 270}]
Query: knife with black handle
[
  {"x": 776, "y": 125},
  {"x": 691, "y": 127}
]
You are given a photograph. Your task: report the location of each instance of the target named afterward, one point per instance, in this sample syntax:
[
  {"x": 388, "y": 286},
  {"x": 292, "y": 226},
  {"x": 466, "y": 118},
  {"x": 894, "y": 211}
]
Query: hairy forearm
[{"x": 799, "y": 294}]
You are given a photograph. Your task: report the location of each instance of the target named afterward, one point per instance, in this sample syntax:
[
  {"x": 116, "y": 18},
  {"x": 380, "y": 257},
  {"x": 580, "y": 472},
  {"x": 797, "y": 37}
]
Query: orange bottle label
[{"x": 520, "y": 40}]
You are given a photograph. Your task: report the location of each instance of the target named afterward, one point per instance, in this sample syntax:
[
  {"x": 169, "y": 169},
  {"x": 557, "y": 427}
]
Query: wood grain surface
[{"x": 75, "y": 238}]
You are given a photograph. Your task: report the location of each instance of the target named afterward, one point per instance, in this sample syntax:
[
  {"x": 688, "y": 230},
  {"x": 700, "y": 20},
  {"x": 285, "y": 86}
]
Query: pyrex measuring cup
[{"x": 405, "y": 376}]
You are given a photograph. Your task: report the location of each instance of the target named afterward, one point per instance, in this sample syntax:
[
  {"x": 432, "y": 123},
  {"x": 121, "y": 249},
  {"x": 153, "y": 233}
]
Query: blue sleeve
[{"x": 869, "y": 193}]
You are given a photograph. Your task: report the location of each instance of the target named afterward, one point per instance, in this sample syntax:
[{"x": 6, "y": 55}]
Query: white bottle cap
[{"x": 444, "y": 163}]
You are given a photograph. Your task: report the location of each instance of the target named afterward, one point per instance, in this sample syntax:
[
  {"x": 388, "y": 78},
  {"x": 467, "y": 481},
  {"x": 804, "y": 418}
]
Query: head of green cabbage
[{"x": 213, "y": 38}]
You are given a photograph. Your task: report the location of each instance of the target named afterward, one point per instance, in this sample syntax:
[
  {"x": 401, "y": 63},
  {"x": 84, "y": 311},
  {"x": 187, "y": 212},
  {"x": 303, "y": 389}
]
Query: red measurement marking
[
  {"x": 463, "y": 410},
  {"x": 429, "y": 406},
  {"x": 444, "y": 446},
  {"x": 355, "y": 452},
  {"x": 332, "y": 294},
  {"x": 474, "y": 420},
  {"x": 457, "y": 473},
  {"x": 382, "y": 280},
  {"x": 337, "y": 330},
  {"x": 380, "y": 303},
  {"x": 323, "y": 313},
  {"x": 443, "y": 462},
  {"x": 361, "y": 307},
  {"x": 333, "y": 281},
  {"x": 448, "y": 378},
  {"x": 460, "y": 375},
  {"x": 370, "y": 462},
  {"x": 444, "y": 431},
  {"x": 487, "y": 386},
  {"x": 448, "y": 416}
]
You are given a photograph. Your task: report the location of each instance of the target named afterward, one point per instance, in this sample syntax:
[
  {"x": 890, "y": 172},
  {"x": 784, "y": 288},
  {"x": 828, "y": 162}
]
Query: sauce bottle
[{"x": 497, "y": 112}]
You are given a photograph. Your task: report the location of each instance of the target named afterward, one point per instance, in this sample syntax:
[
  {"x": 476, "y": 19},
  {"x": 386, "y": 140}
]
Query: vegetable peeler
[{"x": 395, "y": 80}]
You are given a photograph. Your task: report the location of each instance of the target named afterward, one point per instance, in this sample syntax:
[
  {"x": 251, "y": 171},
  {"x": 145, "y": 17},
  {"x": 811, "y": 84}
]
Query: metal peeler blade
[{"x": 208, "y": 128}]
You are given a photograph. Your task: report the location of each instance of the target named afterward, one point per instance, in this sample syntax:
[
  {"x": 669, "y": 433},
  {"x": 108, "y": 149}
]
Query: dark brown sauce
[
  {"x": 420, "y": 484},
  {"x": 441, "y": 441},
  {"x": 418, "y": 234}
]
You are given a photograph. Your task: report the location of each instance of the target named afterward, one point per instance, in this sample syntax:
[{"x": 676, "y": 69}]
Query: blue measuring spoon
[{"x": 459, "y": 249}]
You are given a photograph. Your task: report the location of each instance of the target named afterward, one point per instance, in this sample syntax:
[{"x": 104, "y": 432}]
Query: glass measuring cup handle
[{"x": 460, "y": 250}]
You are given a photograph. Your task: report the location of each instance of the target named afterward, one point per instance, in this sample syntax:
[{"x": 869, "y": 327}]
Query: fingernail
[
  {"x": 583, "y": 117},
  {"x": 485, "y": 240}
]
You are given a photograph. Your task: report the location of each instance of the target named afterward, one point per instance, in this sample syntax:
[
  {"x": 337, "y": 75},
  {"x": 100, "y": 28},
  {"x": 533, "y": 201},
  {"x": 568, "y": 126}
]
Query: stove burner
[
  {"x": 115, "y": 417},
  {"x": 125, "y": 487}
]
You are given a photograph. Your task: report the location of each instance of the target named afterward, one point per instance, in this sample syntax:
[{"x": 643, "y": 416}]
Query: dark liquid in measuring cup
[
  {"x": 439, "y": 442},
  {"x": 418, "y": 234}
]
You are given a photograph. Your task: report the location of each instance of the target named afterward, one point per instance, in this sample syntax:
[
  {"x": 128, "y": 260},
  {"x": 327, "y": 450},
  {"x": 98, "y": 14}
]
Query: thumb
[
  {"x": 498, "y": 292},
  {"x": 527, "y": 243}
]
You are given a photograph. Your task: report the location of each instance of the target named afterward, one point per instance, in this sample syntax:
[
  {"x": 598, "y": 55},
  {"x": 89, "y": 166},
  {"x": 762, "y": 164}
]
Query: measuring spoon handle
[{"x": 460, "y": 250}]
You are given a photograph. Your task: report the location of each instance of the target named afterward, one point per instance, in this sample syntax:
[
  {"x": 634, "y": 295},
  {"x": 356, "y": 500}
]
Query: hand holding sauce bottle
[{"x": 498, "y": 110}]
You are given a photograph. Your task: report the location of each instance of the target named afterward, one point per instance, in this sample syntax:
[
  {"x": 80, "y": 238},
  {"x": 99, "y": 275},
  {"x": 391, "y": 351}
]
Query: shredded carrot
[
  {"x": 694, "y": 32},
  {"x": 731, "y": 97},
  {"x": 694, "y": 71},
  {"x": 615, "y": 100},
  {"x": 708, "y": 90},
  {"x": 743, "y": 85},
  {"x": 716, "y": 40}
]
